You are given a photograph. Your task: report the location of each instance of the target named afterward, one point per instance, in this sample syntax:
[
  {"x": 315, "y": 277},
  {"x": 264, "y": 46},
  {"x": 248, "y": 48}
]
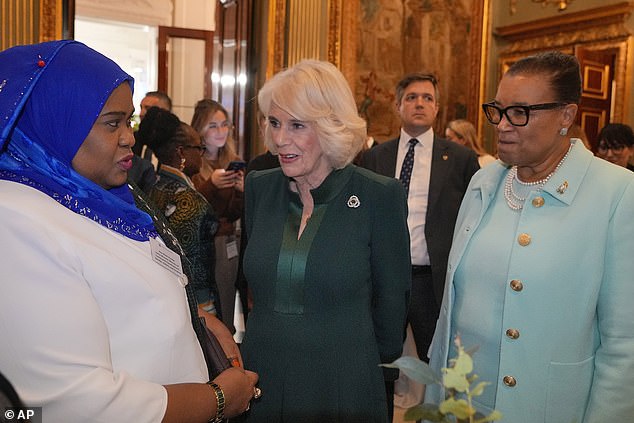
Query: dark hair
[
  {"x": 562, "y": 69},
  {"x": 409, "y": 79},
  {"x": 616, "y": 134},
  {"x": 161, "y": 96},
  {"x": 158, "y": 131}
]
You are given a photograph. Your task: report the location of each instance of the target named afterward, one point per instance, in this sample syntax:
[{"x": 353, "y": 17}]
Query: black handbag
[{"x": 215, "y": 356}]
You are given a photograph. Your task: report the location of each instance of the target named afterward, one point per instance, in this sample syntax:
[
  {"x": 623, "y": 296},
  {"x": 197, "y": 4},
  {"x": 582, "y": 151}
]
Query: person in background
[
  {"x": 549, "y": 312},
  {"x": 464, "y": 133},
  {"x": 145, "y": 163},
  {"x": 223, "y": 189},
  {"x": 436, "y": 173},
  {"x": 98, "y": 322},
  {"x": 191, "y": 218},
  {"x": 327, "y": 258},
  {"x": 155, "y": 99},
  {"x": 616, "y": 144}
]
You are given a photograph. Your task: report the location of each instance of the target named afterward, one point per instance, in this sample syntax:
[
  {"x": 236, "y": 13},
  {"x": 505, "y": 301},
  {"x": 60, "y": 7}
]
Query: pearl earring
[{"x": 563, "y": 131}]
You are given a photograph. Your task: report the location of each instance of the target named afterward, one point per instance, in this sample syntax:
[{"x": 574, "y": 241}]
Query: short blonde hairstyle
[{"x": 316, "y": 91}]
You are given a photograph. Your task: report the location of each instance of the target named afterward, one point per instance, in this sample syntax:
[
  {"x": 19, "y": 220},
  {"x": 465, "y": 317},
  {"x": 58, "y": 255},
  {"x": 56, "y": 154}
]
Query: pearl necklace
[{"x": 514, "y": 201}]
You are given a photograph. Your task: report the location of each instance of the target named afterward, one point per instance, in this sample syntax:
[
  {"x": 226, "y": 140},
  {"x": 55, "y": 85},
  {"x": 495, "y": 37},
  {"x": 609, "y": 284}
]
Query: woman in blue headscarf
[{"x": 94, "y": 313}]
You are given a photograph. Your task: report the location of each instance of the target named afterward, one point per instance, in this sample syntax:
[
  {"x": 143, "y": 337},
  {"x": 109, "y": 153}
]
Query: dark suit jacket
[{"x": 452, "y": 167}]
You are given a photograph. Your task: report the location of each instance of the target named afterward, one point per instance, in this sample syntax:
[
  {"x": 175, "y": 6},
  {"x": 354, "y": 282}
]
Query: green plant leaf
[
  {"x": 453, "y": 379},
  {"x": 415, "y": 369},
  {"x": 494, "y": 416},
  {"x": 479, "y": 388},
  {"x": 464, "y": 363},
  {"x": 427, "y": 412},
  {"x": 459, "y": 408}
]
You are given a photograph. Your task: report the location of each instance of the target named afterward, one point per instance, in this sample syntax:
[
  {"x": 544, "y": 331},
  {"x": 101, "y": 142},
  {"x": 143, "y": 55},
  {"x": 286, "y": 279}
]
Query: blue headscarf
[{"x": 50, "y": 96}]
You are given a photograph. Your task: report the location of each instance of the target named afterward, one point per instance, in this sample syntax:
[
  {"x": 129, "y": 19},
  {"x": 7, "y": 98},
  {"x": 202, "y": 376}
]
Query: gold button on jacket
[
  {"x": 524, "y": 239},
  {"x": 538, "y": 201},
  {"x": 513, "y": 333},
  {"x": 509, "y": 381},
  {"x": 516, "y": 285}
]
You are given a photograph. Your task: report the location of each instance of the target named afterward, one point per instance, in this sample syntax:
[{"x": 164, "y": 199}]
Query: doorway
[{"x": 131, "y": 46}]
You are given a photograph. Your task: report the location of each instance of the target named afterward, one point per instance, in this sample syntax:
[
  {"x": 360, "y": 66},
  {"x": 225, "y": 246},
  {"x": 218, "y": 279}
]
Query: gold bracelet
[{"x": 220, "y": 402}]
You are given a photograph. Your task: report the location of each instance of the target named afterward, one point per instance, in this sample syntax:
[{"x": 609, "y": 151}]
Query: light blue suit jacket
[{"x": 574, "y": 358}]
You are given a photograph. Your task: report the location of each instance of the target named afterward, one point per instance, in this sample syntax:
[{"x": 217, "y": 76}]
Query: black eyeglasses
[
  {"x": 516, "y": 115},
  {"x": 604, "y": 147},
  {"x": 201, "y": 148}
]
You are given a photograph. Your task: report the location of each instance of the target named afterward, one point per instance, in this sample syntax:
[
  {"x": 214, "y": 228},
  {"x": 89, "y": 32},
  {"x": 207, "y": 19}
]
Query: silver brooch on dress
[{"x": 353, "y": 202}]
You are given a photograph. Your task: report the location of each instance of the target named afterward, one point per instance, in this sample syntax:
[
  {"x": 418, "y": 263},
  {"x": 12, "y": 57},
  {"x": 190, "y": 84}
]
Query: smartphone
[{"x": 237, "y": 165}]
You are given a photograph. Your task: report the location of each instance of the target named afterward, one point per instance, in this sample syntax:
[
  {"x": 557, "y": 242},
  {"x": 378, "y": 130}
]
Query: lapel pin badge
[
  {"x": 353, "y": 202},
  {"x": 563, "y": 187}
]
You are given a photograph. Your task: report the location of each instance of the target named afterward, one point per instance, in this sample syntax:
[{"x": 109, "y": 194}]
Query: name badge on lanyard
[{"x": 166, "y": 257}]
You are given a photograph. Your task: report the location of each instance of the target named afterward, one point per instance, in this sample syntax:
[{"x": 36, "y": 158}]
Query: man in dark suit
[{"x": 435, "y": 172}]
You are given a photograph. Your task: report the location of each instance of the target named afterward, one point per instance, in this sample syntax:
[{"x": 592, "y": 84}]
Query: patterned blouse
[{"x": 194, "y": 223}]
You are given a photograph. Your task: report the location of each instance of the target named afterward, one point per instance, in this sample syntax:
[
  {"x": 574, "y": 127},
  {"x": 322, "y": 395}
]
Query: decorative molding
[
  {"x": 593, "y": 29},
  {"x": 578, "y": 21},
  {"x": 561, "y": 39},
  {"x": 349, "y": 38},
  {"x": 334, "y": 32},
  {"x": 478, "y": 64},
  {"x": 144, "y": 12},
  {"x": 561, "y": 4},
  {"x": 50, "y": 27},
  {"x": 276, "y": 47}
]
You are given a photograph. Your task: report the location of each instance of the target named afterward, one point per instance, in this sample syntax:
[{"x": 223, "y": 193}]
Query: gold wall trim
[
  {"x": 301, "y": 29},
  {"x": 571, "y": 22},
  {"x": 334, "y": 31},
  {"x": 276, "y": 36},
  {"x": 477, "y": 80},
  {"x": 19, "y": 20},
  {"x": 50, "y": 20}
]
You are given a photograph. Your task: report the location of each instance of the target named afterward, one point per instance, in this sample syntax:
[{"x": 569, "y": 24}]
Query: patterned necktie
[{"x": 408, "y": 165}]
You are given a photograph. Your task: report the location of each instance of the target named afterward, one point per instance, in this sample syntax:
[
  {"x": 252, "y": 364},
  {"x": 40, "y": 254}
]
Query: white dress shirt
[{"x": 418, "y": 191}]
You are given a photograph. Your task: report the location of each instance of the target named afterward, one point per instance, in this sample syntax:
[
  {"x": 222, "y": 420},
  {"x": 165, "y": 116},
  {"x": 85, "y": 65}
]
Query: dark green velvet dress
[{"x": 331, "y": 306}]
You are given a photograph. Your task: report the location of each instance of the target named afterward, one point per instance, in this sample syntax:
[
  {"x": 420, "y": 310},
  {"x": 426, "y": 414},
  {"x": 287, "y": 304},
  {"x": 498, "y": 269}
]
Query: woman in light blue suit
[{"x": 540, "y": 272}]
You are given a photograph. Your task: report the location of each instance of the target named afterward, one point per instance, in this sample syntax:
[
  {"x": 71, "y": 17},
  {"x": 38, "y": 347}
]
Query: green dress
[{"x": 331, "y": 306}]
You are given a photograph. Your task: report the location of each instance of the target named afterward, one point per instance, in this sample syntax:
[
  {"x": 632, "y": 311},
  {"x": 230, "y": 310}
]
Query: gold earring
[{"x": 182, "y": 166}]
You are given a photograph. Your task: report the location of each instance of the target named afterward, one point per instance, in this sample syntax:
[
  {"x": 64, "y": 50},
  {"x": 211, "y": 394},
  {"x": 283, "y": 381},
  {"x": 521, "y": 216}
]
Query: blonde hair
[
  {"x": 467, "y": 132},
  {"x": 316, "y": 91},
  {"x": 202, "y": 113}
]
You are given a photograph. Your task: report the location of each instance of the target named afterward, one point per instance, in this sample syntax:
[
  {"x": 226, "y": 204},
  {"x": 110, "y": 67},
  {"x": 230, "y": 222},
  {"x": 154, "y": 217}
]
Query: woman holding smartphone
[{"x": 221, "y": 182}]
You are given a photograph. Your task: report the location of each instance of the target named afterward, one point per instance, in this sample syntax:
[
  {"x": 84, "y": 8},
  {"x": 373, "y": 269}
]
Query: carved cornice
[
  {"x": 614, "y": 31},
  {"x": 604, "y": 16}
]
